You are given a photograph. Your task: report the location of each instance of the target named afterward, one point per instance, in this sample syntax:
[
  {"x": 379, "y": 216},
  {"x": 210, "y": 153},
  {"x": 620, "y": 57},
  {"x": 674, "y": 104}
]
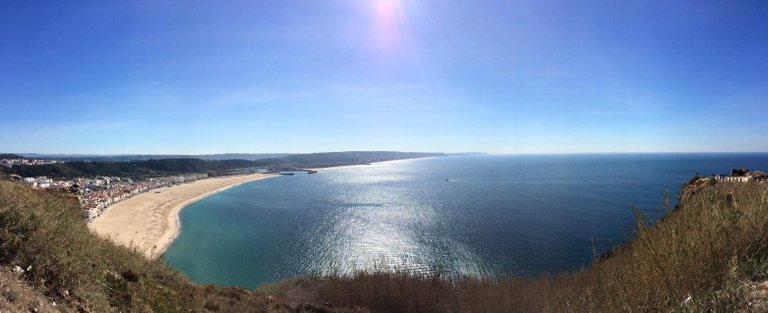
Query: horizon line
[{"x": 405, "y": 151}]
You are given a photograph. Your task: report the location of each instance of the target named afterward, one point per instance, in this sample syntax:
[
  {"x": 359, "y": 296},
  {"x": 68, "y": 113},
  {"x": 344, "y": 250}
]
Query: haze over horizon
[{"x": 187, "y": 77}]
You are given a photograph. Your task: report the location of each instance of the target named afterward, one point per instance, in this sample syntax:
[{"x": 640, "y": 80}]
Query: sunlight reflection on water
[
  {"x": 463, "y": 216},
  {"x": 382, "y": 227}
]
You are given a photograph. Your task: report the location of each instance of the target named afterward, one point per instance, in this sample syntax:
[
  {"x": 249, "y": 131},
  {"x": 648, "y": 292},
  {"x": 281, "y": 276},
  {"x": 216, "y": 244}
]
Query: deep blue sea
[{"x": 464, "y": 215}]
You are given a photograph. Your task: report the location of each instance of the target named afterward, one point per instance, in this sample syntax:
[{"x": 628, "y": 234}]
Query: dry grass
[
  {"x": 18, "y": 296},
  {"x": 711, "y": 249},
  {"x": 706, "y": 250},
  {"x": 83, "y": 272}
]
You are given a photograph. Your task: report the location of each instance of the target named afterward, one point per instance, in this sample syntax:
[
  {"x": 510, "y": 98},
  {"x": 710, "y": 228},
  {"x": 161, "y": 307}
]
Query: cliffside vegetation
[{"x": 709, "y": 254}]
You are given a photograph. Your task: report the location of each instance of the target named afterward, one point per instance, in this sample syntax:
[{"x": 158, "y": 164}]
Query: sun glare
[{"x": 387, "y": 26}]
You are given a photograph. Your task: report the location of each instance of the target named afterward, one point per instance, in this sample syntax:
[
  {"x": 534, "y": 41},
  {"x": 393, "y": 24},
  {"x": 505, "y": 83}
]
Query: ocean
[{"x": 472, "y": 215}]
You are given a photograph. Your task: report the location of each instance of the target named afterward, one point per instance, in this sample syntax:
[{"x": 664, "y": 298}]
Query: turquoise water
[{"x": 464, "y": 215}]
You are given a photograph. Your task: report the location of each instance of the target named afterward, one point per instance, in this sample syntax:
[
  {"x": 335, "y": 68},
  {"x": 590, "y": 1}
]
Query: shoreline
[{"x": 151, "y": 221}]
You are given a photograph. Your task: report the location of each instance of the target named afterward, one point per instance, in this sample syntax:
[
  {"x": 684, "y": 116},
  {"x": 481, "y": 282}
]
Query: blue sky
[{"x": 113, "y": 77}]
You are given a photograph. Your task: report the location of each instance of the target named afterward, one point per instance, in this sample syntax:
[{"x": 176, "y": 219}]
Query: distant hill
[
  {"x": 134, "y": 169},
  {"x": 145, "y": 157},
  {"x": 350, "y": 157},
  {"x": 10, "y": 156},
  {"x": 165, "y": 167}
]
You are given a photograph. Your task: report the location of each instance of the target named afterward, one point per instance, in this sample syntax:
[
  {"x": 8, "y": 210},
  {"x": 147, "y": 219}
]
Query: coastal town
[
  {"x": 19, "y": 161},
  {"x": 97, "y": 194}
]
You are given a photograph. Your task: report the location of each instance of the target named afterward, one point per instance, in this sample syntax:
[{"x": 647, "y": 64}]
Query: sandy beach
[{"x": 150, "y": 221}]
